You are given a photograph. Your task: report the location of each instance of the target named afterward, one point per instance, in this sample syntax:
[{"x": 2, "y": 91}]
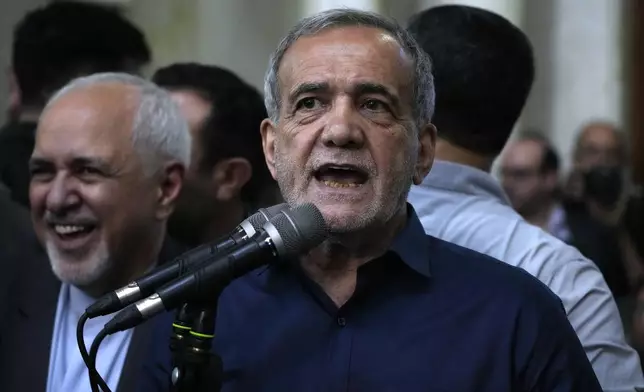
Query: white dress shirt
[
  {"x": 67, "y": 371},
  {"x": 466, "y": 206}
]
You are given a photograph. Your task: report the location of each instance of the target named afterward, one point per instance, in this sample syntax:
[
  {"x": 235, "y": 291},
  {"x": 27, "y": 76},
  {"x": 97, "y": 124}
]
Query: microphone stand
[{"x": 195, "y": 367}]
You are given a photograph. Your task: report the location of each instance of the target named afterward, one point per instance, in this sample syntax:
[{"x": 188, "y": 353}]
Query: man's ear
[
  {"x": 169, "y": 189},
  {"x": 426, "y": 151},
  {"x": 15, "y": 95},
  {"x": 267, "y": 129},
  {"x": 229, "y": 176}
]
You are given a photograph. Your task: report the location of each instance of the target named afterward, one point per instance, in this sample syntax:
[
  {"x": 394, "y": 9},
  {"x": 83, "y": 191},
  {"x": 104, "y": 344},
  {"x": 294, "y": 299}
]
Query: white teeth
[{"x": 68, "y": 229}]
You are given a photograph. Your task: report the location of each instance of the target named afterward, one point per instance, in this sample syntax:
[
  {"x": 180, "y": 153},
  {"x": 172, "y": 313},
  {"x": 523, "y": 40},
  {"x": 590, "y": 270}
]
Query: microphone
[
  {"x": 144, "y": 286},
  {"x": 287, "y": 235}
]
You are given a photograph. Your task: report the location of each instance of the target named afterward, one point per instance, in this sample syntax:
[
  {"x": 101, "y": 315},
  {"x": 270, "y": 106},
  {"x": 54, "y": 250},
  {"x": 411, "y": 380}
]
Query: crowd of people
[{"x": 434, "y": 276}]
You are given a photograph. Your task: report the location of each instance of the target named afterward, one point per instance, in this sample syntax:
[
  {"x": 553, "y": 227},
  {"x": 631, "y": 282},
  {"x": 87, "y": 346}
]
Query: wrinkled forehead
[
  {"x": 344, "y": 56},
  {"x": 87, "y": 122}
]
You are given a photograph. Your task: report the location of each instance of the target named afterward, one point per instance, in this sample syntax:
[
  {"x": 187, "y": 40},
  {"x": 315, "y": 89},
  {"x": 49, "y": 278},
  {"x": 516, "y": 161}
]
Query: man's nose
[
  {"x": 343, "y": 129},
  {"x": 62, "y": 195}
]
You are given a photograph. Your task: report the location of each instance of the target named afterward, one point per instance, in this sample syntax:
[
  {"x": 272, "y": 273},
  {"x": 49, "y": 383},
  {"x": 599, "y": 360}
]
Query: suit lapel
[
  {"x": 27, "y": 341},
  {"x": 141, "y": 345},
  {"x": 26, "y": 336}
]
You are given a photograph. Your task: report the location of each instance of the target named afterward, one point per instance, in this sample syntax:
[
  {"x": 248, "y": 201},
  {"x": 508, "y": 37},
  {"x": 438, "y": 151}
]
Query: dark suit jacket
[
  {"x": 18, "y": 243},
  {"x": 25, "y": 337}
]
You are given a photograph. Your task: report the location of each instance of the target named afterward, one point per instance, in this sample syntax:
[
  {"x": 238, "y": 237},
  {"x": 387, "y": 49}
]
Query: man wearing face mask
[{"x": 598, "y": 204}]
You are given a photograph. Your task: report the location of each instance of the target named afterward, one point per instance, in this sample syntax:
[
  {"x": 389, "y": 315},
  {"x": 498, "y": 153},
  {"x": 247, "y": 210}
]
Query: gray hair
[
  {"x": 423, "y": 80},
  {"x": 160, "y": 132}
]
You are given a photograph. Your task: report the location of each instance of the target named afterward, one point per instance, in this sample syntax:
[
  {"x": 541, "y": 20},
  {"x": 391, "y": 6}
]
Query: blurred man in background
[
  {"x": 110, "y": 155},
  {"x": 51, "y": 46},
  {"x": 228, "y": 178},
  {"x": 598, "y": 144},
  {"x": 530, "y": 177},
  {"x": 484, "y": 69},
  {"x": 598, "y": 205}
]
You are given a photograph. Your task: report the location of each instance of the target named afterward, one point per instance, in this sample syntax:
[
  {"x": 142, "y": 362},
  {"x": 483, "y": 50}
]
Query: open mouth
[
  {"x": 341, "y": 176},
  {"x": 72, "y": 231}
]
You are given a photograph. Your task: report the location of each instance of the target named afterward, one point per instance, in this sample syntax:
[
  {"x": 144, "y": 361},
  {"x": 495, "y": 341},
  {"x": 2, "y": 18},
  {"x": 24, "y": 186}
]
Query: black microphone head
[
  {"x": 297, "y": 230},
  {"x": 263, "y": 215},
  {"x": 258, "y": 219}
]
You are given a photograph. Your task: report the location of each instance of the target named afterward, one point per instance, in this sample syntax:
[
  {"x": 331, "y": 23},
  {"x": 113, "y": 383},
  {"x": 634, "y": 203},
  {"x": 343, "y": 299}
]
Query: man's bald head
[{"x": 599, "y": 143}]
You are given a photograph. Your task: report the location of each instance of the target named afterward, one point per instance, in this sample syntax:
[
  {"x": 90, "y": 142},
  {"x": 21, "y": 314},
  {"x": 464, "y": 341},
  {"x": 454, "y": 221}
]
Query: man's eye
[
  {"x": 307, "y": 103},
  {"x": 89, "y": 171},
  {"x": 374, "y": 105},
  {"x": 39, "y": 171}
]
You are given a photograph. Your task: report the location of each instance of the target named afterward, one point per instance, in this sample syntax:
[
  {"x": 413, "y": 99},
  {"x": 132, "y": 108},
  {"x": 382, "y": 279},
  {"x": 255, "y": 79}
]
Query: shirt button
[{"x": 342, "y": 321}]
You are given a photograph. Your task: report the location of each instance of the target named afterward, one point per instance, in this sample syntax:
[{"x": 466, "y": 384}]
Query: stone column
[{"x": 580, "y": 67}]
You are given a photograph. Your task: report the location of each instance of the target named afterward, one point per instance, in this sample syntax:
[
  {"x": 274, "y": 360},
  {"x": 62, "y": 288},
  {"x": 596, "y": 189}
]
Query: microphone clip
[{"x": 195, "y": 366}]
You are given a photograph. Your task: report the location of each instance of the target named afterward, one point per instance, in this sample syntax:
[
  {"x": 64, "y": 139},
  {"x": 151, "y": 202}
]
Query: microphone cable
[
  {"x": 93, "y": 353},
  {"x": 95, "y": 380}
]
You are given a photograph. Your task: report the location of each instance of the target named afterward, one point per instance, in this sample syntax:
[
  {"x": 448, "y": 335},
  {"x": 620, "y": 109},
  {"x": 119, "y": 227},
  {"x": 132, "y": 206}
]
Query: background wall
[{"x": 579, "y": 45}]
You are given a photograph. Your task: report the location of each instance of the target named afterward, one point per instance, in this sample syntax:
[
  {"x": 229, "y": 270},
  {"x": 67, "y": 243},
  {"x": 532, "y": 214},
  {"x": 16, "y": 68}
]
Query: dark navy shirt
[{"x": 426, "y": 316}]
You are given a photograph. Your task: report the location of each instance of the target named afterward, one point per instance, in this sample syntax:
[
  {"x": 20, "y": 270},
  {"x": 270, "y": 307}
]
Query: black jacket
[{"x": 26, "y": 330}]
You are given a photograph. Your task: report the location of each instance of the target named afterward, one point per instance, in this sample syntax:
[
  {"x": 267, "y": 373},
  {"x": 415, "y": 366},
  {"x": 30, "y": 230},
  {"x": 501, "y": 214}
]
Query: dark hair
[
  {"x": 232, "y": 128},
  {"x": 64, "y": 40},
  {"x": 483, "y": 70},
  {"x": 550, "y": 158}
]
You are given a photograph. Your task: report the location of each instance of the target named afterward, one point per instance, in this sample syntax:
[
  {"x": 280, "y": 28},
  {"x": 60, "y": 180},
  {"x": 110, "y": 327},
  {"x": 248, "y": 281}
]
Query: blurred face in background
[
  {"x": 211, "y": 195},
  {"x": 523, "y": 179},
  {"x": 598, "y": 145},
  {"x": 196, "y": 206}
]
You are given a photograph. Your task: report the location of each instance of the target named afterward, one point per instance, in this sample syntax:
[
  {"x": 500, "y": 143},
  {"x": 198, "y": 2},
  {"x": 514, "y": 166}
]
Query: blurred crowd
[
  {"x": 81, "y": 163},
  {"x": 595, "y": 207}
]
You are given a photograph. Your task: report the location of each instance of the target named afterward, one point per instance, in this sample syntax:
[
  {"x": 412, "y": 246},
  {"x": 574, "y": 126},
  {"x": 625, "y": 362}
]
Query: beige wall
[
  {"x": 239, "y": 35},
  {"x": 578, "y": 44},
  {"x": 580, "y": 66}
]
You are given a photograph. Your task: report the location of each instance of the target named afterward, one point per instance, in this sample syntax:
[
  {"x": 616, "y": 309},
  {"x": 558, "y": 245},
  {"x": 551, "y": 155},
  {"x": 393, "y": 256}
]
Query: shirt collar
[
  {"x": 411, "y": 244},
  {"x": 558, "y": 224},
  {"x": 464, "y": 179}
]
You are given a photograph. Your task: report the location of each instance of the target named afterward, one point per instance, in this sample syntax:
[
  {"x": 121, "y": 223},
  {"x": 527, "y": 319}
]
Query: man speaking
[{"x": 380, "y": 306}]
